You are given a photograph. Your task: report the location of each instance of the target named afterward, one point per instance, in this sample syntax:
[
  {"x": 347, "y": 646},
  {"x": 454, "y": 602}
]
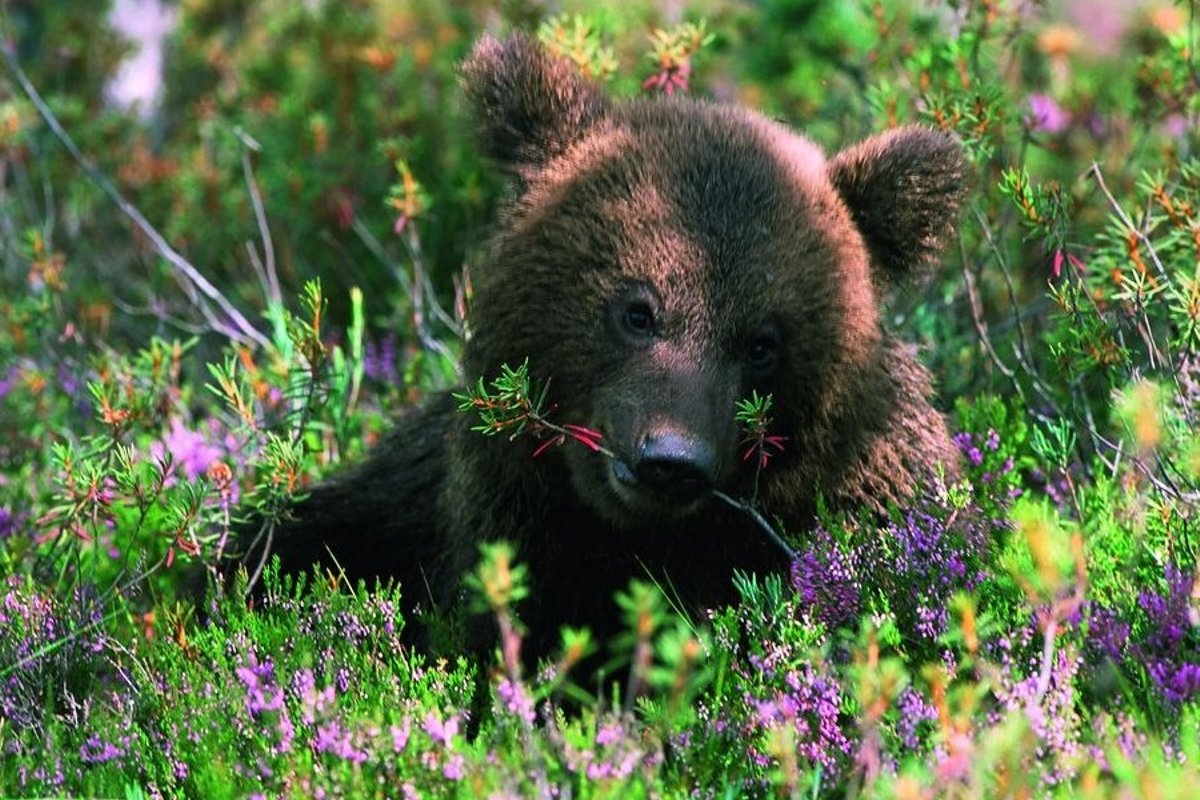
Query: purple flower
[
  {"x": 379, "y": 360},
  {"x": 516, "y": 700},
  {"x": 1053, "y": 716},
  {"x": 931, "y": 620},
  {"x": 966, "y": 445},
  {"x": 609, "y": 734},
  {"x": 10, "y": 522},
  {"x": 1046, "y": 115},
  {"x": 439, "y": 731},
  {"x": 97, "y": 751},
  {"x": 356, "y": 633},
  {"x": 314, "y": 703},
  {"x": 333, "y": 739},
  {"x": 914, "y": 710},
  {"x": 42, "y": 640},
  {"x": 455, "y": 767},
  {"x": 1108, "y": 634},
  {"x": 1178, "y": 682},
  {"x": 9, "y": 381},
  {"x": 810, "y": 705},
  {"x": 1175, "y": 125},
  {"x": 400, "y": 735},
  {"x": 1169, "y": 650},
  {"x": 615, "y": 756},
  {"x": 915, "y": 563},
  {"x": 1169, "y": 613},
  {"x": 262, "y": 695},
  {"x": 827, "y": 580},
  {"x": 265, "y": 698},
  {"x": 190, "y": 450},
  {"x": 72, "y": 384},
  {"x": 923, "y": 565}
]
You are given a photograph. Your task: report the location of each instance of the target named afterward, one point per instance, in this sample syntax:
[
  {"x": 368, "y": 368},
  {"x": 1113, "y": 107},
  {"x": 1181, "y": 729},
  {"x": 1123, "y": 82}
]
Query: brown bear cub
[{"x": 658, "y": 260}]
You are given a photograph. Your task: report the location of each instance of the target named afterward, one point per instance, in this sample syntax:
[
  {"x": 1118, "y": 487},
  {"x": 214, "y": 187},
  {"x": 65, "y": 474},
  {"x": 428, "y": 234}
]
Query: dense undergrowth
[{"x": 1033, "y": 630}]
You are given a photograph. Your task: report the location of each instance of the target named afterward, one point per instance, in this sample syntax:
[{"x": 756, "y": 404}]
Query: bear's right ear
[
  {"x": 906, "y": 190},
  {"x": 528, "y": 104}
]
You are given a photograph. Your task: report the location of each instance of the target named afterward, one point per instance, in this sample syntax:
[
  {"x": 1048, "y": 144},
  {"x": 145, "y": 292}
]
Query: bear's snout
[{"x": 679, "y": 466}]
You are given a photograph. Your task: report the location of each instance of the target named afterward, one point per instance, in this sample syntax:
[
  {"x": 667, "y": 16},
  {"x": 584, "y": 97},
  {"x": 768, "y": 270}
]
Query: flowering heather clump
[
  {"x": 912, "y": 567},
  {"x": 97, "y": 751},
  {"x": 1163, "y": 642},
  {"x": 808, "y": 708},
  {"x": 1169, "y": 647},
  {"x": 611, "y": 751},
  {"x": 1108, "y": 633},
  {"x": 513, "y": 698},
  {"x": 923, "y": 564},
  {"x": 784, "y": 707},
  {"x": 1047, "y": 702},
  {"x": 914, "y": 711},
  {"x": 50, "y": 653},
  {"x": 826, "y": 578},
  {"x": 264, "y": 699}
]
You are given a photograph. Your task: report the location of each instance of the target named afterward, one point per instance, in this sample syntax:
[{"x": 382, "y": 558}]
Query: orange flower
[{"x": 1059, "y": 41}]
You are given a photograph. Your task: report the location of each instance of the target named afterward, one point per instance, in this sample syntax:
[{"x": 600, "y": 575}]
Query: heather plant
[{"x": 1031, "y": 628}]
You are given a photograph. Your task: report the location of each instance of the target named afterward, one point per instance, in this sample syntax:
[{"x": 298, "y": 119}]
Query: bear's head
[{"x": 660, "y": 259}]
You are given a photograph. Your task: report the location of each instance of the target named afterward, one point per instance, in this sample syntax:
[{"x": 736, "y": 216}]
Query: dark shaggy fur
[{"x": 659, "y": 259}]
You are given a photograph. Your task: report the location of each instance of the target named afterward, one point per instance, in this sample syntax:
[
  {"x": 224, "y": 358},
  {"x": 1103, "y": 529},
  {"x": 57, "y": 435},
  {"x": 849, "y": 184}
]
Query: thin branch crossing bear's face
[{"x": 662, "y": 259}]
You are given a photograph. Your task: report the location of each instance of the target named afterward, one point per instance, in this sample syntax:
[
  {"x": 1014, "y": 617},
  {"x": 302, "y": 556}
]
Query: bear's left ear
[
  {"x": 905, "y": 190},
  {"x": 529, "y": 105}
]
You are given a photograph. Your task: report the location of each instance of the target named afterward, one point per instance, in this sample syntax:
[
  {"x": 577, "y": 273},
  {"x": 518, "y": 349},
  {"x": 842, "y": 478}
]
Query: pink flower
[
  {"x": 1046, "y": 115},
  {"x": 400, "y": 735},
  {"x": 189, "y": 449},
  {"x": 443, "y": 732}
]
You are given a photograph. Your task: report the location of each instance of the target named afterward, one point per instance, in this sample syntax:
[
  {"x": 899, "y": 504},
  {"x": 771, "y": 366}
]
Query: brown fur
[{"x": 731, "y": 231}]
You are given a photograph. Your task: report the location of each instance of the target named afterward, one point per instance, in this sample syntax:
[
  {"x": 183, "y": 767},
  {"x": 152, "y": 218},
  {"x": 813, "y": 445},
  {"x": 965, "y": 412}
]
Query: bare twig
[
  {"x": 1021, "y": 349},
  {"x": 1095, "y": 172},
  {"x": 268, "y": 530},
  {"x": 419, "y": 297},
  {"x": 1166, "y": 488},
  {"x": 160, "y": 314},
  {"x": 242, "y": 331},
  {"x": 368, "y": 239},
  {"x": 1152, "y": 347},
  {"x": 981, "y": 326},
  {"x": 419, "y": 288},
  {"x": 1047, "y": 668},
  {"x": 1059, "y": 610},
  {"x": 759, "y": 520},
  {"x": 267, "y": 273}
]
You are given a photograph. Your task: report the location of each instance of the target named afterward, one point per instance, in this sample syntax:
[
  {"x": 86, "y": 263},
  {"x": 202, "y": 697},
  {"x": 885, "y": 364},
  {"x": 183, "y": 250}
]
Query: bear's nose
[{"x": 680, "y": 467}]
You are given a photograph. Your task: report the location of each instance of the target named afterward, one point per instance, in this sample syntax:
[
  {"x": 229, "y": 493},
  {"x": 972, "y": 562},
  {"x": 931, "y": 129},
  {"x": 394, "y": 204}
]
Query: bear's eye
[
  {"x": 764, "y": 351},
  {"x": 639, "y": 318}
]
